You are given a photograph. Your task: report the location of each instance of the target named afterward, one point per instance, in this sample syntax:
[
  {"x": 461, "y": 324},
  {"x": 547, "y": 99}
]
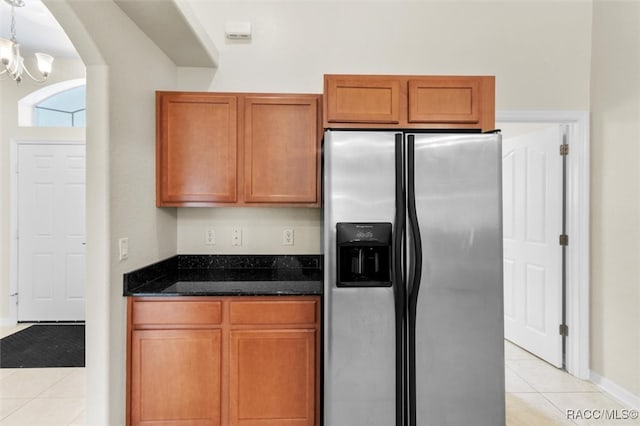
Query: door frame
[
  {"x": 577, "y": 213},
  {"x": 13, "y": 215}
]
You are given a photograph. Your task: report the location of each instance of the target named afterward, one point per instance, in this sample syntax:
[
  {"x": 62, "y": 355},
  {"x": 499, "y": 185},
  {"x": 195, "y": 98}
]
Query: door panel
[
  {"x": 51, "y": 230},
  {"x": 281, "y": 149},
  {"x": 532, "y": 209},
  {"x": 198, "y": 149},
  {"x": 359, "y": 326},
  {"x": 176, "y": 377},
  {"x": 273, "y": 377},
  {"x": 459, "y": 320}
]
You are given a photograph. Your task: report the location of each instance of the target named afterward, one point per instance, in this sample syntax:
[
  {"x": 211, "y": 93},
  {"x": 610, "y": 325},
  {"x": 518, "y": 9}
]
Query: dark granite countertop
[{"x": 228, "y": 275}]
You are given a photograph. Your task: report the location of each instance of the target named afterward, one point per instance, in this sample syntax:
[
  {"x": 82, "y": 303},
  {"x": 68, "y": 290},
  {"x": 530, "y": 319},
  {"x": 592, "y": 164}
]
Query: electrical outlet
[
  {"x": 287, "y": 237},
  {"x": 236, "y": 236},
  {"x": 123, "y": 246},
  {"x": 210, "y": 237}
]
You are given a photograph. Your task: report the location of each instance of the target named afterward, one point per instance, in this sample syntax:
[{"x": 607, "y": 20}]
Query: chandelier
[{"x": 10, "y": 58}]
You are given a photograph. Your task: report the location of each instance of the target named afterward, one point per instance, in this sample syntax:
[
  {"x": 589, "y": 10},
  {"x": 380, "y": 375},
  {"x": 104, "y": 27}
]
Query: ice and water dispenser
[{"x": 364, "y": 254}]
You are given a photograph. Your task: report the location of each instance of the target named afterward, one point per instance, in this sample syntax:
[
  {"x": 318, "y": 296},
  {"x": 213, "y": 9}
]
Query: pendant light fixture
[{"x": 11, "y": 62}]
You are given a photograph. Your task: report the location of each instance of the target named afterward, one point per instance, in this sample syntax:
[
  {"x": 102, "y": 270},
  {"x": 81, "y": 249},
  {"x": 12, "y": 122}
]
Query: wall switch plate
[
  {"x": 210, "y": 236},
  {"x": 236, "y": 236},
  {"x": 287, "y": 237},
  {"x": 123, "y": 246}
]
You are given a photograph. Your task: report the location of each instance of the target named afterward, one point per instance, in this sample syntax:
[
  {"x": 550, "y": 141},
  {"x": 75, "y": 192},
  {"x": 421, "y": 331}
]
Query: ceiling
[
  {"x": 171, "y": 26},
  {"x": 36, "y": 30}
]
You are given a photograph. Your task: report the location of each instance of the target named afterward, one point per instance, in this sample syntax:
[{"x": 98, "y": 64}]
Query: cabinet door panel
[
  {"x": 176, "y": 377},
  {"x": 197, "y": 153},
  {"x": 281, "y": 147},
  {"x": 362, "y": 100},
  {"x": 444, "y": 100},
  {"x": 273, "y": 378}
]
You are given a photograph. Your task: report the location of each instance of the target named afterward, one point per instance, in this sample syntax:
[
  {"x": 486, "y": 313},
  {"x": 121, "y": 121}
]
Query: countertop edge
[{"x": 157, "y": 279}]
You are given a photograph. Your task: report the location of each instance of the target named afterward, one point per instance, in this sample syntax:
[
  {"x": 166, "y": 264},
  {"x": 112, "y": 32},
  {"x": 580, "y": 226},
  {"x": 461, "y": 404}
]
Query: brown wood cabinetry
[
  {"x": 281, "y": 149},
  {"x": 226, "y": 149},
  {"x": 244, "y": 361},
  {"x": 274, "y": 362},
  {"x": 176, "y": 377},
  {"x": 420, "y": 102},
  {"x": 197, "y": 148}
]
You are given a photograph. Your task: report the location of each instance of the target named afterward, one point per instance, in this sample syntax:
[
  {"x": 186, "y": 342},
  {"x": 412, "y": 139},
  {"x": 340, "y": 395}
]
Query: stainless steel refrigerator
[{"x": 413, "y": 293}]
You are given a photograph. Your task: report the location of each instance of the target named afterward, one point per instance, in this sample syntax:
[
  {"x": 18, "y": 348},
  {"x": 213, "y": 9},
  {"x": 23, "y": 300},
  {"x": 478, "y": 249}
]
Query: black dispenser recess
[{"x": 364, "y": 254}]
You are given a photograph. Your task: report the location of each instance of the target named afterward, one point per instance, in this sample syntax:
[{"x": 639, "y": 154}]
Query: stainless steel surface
[
  {"x": 459, "y": 333},
  {"x": 359, "y": 322}
]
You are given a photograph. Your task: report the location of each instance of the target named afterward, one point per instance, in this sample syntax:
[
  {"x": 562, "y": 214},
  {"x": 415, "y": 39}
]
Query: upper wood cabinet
[
  {"x": 197, "y": 148},
  {"x": 414, "y": 102},
  {"x": 233, "y": 149},
  {"x": 281, "y": 149}
]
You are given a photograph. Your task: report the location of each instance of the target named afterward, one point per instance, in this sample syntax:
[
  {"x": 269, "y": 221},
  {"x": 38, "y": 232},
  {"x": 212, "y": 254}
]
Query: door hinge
[
  {"x": 564, "y": 149},
  {"x": 564, "y": 240},
  {"x": 564, "y": 330}
]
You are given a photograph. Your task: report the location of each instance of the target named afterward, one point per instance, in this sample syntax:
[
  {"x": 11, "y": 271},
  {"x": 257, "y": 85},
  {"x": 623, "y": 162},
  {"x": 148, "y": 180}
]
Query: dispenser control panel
[{"x": 364, "y": 254}]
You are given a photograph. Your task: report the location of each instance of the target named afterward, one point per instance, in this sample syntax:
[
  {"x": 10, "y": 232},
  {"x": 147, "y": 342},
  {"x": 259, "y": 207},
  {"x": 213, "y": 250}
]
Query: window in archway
[{"x": 63, "y": 109}]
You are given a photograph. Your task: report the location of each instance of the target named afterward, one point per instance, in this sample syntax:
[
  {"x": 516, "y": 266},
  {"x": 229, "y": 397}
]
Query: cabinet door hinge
[
  {"x": 564, "y": 240},
  {"x": 564, "y": 149},
  {"x": 564, "y": 330}
]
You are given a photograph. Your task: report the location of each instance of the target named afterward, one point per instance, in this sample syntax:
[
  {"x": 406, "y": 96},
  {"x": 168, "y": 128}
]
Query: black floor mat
[{"x": 39, "y": 346}]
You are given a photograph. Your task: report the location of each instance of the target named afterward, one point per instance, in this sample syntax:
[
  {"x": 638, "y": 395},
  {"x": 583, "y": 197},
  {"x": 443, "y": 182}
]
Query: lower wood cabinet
[
  {"x": 256, "y": 364},
  {"x": 176, "y": 377},
  {"x": 273, "y": 376}
]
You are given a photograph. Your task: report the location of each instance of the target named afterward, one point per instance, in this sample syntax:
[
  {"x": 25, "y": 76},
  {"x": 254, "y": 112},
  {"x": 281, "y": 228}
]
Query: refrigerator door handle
[
  {"x": 415, "y": 276},
  {"x": 399, "y": 288}
]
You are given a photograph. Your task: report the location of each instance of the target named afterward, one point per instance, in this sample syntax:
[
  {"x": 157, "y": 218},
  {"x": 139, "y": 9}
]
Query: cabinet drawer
[
  {"x": 274, "y": 312},
  {"x": 167, "y": 312}
]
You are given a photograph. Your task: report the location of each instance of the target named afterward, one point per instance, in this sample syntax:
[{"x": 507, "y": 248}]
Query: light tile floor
[{"x": 538, "y": 394}]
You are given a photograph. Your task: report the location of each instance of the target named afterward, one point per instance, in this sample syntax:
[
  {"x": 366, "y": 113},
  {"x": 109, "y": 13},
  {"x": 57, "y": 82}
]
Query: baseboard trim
[{"x": 623, "y": 395}]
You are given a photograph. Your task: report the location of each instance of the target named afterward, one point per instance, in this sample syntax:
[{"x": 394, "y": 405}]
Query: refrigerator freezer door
[
  {"x": 459, "y": 331},
  {"x": 359, "y": 345}
]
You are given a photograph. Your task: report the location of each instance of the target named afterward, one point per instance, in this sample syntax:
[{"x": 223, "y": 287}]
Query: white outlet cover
[
  {"x": 210, "y": 237},
  {"x": 287, "y": 237},
  {"x": 236, "y": 236},
  {"x": 123, "y": 246}
]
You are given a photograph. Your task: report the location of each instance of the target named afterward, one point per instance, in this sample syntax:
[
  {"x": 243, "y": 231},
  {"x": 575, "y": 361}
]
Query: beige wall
[
  {"x": 124, "y": 69},
  {"x": 262, "y": 230},
  {"x": 11, "y": 93},
  {"x": 538, "y": 65},
  {"x": 615, "y": 193}
]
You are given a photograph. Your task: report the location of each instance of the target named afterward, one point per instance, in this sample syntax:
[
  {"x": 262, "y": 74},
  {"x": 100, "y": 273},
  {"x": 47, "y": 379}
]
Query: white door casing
[
  {"x": 51, "y": 232},
  {"x": 577, "y": 227},
  {"x": 532, "y": 215}
]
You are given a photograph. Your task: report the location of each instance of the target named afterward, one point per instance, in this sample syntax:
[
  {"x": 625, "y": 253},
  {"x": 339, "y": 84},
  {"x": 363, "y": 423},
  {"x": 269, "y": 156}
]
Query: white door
[
  {"x": 532, "y": 215},
  {"x": 51, "y": 232}
]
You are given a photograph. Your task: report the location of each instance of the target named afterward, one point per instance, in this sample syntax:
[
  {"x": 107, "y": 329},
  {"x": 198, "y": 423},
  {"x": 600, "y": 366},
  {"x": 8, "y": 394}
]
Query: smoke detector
[{"x": 238, "y": 30}]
